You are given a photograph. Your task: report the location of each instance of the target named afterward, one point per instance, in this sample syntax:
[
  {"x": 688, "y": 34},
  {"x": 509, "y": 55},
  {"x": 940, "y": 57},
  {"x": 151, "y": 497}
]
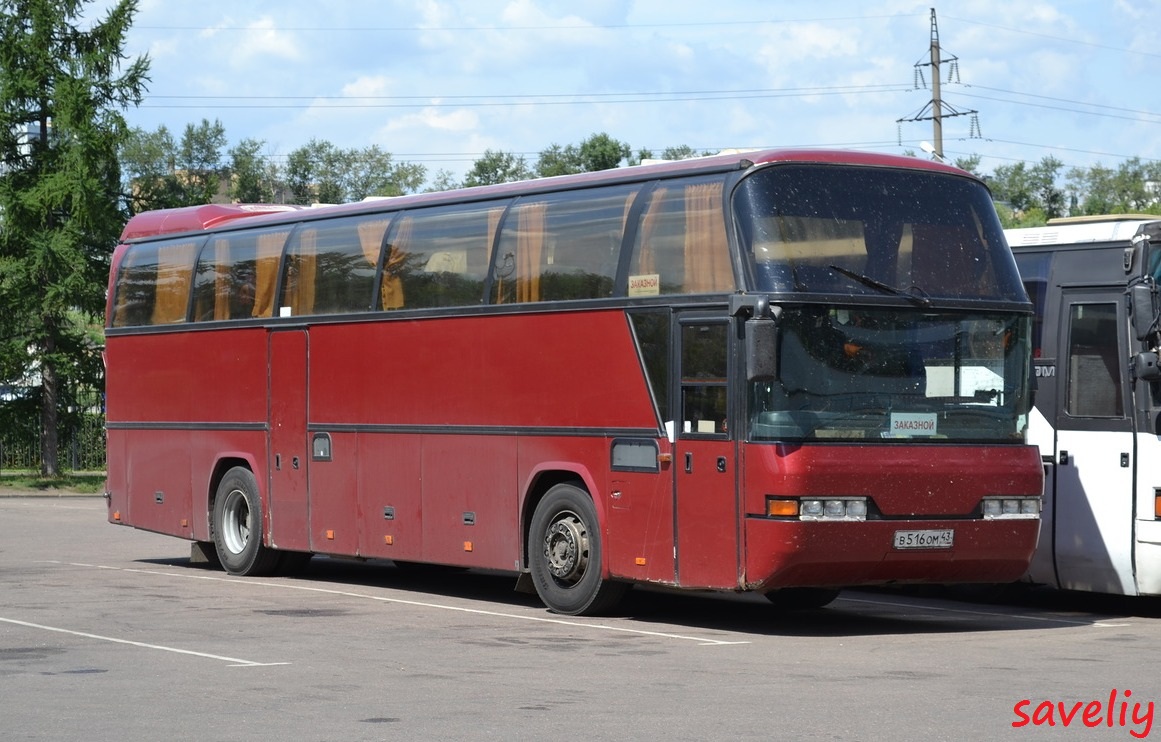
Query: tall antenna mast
[{"x": 937, "y": 109}]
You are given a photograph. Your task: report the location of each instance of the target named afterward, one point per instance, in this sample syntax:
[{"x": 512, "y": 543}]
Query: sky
[{"x": 439, "y": 82}]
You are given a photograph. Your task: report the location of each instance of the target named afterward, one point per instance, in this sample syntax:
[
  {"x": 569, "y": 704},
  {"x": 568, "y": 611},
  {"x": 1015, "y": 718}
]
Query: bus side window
[
  {"x": 235, "y": 276},
  {"x": 562, "y": 248},
  {"x": 330, "y": 266},
  {"x": 681, "y": 245},
  {"x": 439, "y": 257},
  {"x": 153, "y": 285}
]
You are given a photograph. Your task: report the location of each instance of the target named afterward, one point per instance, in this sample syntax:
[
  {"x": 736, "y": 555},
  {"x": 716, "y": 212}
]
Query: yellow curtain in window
[
  {"x": 221, "y": 252},
  {"x": 707, "y": 257},
  {"x": 493, "y": 222},
  {"x": 298, "y": 291},
  {"x": 266, "y": 272},
  {"x": 391, "y": 291},
  {"x": 171, "y": 294},
  {"x": 646, "y": 255},
  {"x": 371, "y": 238},
  {"x": 529, "y": 247}
]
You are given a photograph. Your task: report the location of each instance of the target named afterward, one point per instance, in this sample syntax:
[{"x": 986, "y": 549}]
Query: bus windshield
[
  {"x": 895, "y": 375},
  {"x": 828, "y": 229}
]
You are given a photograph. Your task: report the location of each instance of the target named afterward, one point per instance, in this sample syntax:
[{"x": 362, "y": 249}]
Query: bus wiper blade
[{"x": 886, "y": 288}]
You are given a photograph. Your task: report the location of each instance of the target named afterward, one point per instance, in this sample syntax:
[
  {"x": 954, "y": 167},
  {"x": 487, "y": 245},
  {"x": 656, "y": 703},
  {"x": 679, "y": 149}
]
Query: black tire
[
  {"x": 564, "y": 554},
  {"x": 801, "y": 598},
  {"x": 237, "y": 526}
]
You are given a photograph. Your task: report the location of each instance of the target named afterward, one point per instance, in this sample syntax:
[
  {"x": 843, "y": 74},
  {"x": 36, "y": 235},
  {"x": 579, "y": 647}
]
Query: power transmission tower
[{"x": 937, "y": 109}]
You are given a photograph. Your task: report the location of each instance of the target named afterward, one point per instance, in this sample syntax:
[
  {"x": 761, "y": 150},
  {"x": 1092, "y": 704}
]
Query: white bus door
[{"x": 1094, "y": 454}]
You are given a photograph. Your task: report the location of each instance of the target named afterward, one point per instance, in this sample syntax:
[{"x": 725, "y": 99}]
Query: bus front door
[
  {"x": 1094, "y": 454},
  {"x": 704, "y": 461}
]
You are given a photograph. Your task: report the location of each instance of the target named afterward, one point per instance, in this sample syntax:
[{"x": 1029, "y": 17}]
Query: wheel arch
[
  {"x": 223, "y": 464},
  {"x": 543, "y": 478}
]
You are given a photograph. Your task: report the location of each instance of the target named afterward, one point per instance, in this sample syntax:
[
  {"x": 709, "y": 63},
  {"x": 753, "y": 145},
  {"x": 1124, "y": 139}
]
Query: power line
[
  {"x": 1050, "y": 37},
  {"x": 554, "y": 27},
  {"x": 1137, "y": 117},
  {"x": 486, "y": 101}
]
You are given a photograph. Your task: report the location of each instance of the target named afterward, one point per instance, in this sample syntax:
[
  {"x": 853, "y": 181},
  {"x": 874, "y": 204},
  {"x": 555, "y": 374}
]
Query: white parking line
[
  {"x": 992, "y": 614},
  {"x": 703, "y": 641},
  {"x": 234, "y": 661}
]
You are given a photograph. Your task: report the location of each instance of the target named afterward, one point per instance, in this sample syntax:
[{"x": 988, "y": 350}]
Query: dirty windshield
[{"x": 913, "y": 235}]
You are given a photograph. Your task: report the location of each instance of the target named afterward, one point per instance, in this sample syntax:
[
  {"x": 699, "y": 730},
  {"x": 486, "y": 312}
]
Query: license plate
[{"x": 940, "y": 539}]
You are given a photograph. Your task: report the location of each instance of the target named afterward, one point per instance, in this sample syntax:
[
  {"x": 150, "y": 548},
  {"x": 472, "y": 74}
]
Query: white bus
[{"x": 1097, "y": 416}]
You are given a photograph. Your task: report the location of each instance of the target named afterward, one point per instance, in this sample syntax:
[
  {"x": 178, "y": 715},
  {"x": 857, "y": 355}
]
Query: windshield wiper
[{"x": 886, "y": 288}]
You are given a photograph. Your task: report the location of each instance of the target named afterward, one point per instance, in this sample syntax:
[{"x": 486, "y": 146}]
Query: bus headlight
[{"x": 817, "y": 508}]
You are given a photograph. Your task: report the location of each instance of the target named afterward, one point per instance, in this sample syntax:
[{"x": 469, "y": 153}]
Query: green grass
[{"x": 88, "y": 483}]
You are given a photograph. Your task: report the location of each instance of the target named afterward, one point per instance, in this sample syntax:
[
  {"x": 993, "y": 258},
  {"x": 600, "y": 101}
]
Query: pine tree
[{"x": 63, "y": 86}]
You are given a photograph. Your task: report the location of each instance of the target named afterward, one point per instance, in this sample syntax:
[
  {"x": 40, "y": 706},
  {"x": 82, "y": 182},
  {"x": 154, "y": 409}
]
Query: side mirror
[
  {"x": 1145, "y": 367},
  {"x": 1143, "y": 310},
  {"x": 761, "y": 349}
]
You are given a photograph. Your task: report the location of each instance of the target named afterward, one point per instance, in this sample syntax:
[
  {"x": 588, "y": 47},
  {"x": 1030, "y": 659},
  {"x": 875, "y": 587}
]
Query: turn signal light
[{"x": 781, "y": 508}]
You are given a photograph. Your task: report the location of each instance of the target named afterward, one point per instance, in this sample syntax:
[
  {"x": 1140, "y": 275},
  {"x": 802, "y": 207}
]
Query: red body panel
[
  {"x": 913, "y": 487},
  {"x": 427, "y": 465},
  {"x": 430, "y": 438},
  {"x": 903, "y": 480}
]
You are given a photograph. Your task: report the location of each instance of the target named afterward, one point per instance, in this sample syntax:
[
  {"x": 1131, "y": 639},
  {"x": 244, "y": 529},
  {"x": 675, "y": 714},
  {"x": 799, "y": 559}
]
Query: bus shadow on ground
[{"x": 888, "y": 611}]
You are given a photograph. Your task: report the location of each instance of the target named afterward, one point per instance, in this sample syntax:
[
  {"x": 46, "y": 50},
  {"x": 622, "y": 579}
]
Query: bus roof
[
  {"x": 199, "y": 218},
  {"x": 1107, "y": 229}
]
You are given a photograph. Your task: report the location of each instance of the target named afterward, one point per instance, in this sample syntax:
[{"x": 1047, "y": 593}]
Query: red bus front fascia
[{"x": 910, "y": 487}]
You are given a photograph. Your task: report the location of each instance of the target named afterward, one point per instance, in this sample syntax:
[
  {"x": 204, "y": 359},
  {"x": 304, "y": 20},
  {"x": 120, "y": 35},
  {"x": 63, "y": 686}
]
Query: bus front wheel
[
  {"x": 237, "y": 526},
  {"x": 564, "y": 548}
]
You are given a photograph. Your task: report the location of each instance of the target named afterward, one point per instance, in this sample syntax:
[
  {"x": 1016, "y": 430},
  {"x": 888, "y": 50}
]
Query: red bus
[{"x": 782, "y": 371}]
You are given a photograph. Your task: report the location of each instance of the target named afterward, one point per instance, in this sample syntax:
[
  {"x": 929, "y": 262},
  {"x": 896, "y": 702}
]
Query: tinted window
[
  {"x": 235, "y": 275},
  {"x": 153, "y": 284},
  {"x": 331, "y": 265},
  {"x": 1094, "y": 371},
  {"x": 439, "y": 257},
  {"x": 828, "y": 229},
  {"x": 680, "y": 245},
  {"x": 562, "y": 246}
]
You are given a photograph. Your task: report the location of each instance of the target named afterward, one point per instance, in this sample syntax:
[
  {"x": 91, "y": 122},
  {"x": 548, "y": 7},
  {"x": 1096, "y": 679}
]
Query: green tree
[
  {"x": 497, "y": 167},
  {"x": 557, "y": 160},
  {"x": 597, "y": 152},
  {"x": 970, "y": 163},
  {"x": 200, "y": 166},
  {"x": 374, "y": 172},
  {"x": 443, "y": 180},
  {"x": 680, "y": 152},
  {"x": 1047, "y": 196},
  {"x": 602, "y": 152},
  {"x": 320, "y": 172},
  {"x": 252, "y": 178},
  {"x": 148, "y": 162},
  {"x": 63, "y": 87}
]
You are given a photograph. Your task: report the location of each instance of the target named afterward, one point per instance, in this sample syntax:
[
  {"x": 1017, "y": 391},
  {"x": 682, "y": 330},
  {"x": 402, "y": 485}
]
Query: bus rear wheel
[
  {"x": 564, "y": 554},
  {"x": 237, "y": 526}
]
